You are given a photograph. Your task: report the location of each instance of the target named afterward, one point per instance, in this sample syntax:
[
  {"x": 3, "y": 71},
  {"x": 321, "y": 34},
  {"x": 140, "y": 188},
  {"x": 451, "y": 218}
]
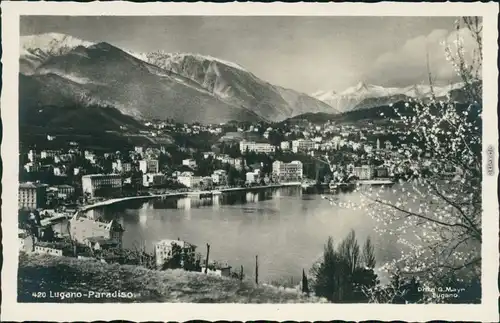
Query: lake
[{"x": 285, "y": 227}]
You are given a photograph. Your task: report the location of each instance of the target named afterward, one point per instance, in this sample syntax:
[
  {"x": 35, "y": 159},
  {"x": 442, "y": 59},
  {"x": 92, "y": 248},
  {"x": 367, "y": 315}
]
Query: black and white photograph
[{"x": 252, "y": 159}]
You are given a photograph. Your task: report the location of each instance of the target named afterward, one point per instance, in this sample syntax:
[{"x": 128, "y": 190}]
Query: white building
[
  {"x": 48, "y": 153},
  {"x": 32, "y": 156},
  {"x": 189, "y": 180},
  {"x": 84, "y": 227},
  {"x": 225, "y": 159},
  {"x": 90, "y": 156},
  {"x": 117, "y": 166},
  {"x": 189, "y": 162},
  {"x": 285, "y": 145},
  {"x": 163, "y": 249},
  {"x": 95, "y": 182},
  {"x": 253, "y": 177},
  {"x": 149, "y": 166},
  {"x": 59, "y": 171},
  {"x": 32, "y": 195},
  {"x": 336, "y": 142},
  {"x": 219, "y": 177},
  {"x": 288, "y": 171},
  {"x": 256, "y": 147},
  {"x": 239, "y": 163},
  {"x": 32, "y": 167},
  {"x": 302, "y": 145},
  {"x": 44, "y": 250}
]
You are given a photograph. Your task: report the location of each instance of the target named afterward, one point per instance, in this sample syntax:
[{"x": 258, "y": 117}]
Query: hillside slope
[
  {"x": 184, "y": 87},
  {"x": 39, "y": 106},
  {"x": 234, "y": 84},
  {"x": 109, "y": 76},
  {"x": 57, "y": 274}
]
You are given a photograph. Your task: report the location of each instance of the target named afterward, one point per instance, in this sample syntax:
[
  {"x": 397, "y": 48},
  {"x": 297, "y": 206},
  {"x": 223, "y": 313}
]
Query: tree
[
  {"x": 349, "y": 252},
  {"x": 340, "y": 276},
  {"x": 437, "y": 212},
  {"x": 305, "y": 284},
  {"x": 326, "y": 274},
  {"x": 368, "y": 254}
]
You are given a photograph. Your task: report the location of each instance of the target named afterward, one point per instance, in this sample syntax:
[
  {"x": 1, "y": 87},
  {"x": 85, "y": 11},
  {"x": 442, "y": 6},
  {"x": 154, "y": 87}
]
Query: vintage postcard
[{"x": 249, "y": 161}]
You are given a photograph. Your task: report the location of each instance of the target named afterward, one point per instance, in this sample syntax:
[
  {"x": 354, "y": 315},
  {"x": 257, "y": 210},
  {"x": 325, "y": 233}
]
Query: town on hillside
[
  {"x": 208, "y": 159},
  {"x": 60, "y": 183}
]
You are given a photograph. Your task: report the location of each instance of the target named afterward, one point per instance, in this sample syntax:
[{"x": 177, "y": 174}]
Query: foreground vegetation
[{"x": 45, "y": 274}]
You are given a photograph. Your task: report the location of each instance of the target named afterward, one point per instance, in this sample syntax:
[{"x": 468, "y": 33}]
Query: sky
[{"x": 306, "y": 54}]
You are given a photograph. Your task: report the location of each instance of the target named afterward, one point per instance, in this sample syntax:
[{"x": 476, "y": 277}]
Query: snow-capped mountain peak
[
  {"x": 182, "y": 86},
  {"x": 36, "y": 49},
  {"x": 355, "y": 97},
  {"x": 52, "y": 43},
  {"x": 361, "y": 86},
  {"x": 164, "y": 59},
  {"x": 324, "y": 95},
  {"x": 369, "y": 90}
]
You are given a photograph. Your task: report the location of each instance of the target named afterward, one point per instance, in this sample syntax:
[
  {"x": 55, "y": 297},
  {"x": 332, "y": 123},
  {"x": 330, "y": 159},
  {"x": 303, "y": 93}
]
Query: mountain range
[
  {"x": 365, "y": 96},
  {"x": 58, "y": 69}
]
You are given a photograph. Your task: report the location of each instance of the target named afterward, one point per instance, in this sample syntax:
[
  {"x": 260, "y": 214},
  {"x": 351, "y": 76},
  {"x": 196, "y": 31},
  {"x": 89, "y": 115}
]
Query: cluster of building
[
  {"x": 163, "y": 252},
  {"x": 312, "y": 146},
  {"x": 257, "y": 147},
  {"x": 159, "y": 127},
  {"x": 94, "y": 234},
  {"x": 85, "y": 233}
]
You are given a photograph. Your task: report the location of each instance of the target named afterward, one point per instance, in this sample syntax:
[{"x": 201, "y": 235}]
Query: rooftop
[
  {"x": 31, "y": 185},
  {"x": 101, "y": 175},
  {"x": 61, "y": 245}
]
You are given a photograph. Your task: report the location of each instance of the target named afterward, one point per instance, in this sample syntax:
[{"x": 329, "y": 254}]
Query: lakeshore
[
  {"x": 185, "y": 194},
  {"x": 286, "y": 227},
  {"x": 59, "y": 217}
]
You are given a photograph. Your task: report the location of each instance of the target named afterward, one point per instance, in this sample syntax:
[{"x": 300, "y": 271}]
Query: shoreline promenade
[
  {"x": 190, "y": 193},
  {"x": 184, "y": 194}
]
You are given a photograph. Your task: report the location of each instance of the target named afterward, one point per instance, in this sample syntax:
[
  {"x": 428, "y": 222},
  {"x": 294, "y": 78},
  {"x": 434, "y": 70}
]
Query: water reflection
[
  {"x": 216, "y": 202},
  {"x": 285, "y": 227},
  {"x": 184, "y": 203}
]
